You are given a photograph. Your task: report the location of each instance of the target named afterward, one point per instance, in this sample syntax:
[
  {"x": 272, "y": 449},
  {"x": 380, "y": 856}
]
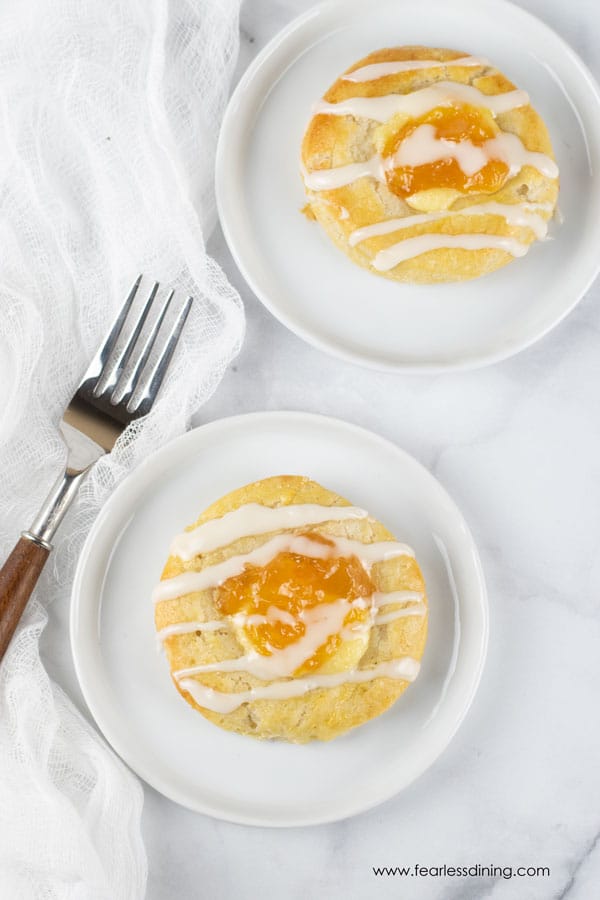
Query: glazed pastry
[
  {"x": 428, "y": 165},
  {"x": 287, "y": 613}
]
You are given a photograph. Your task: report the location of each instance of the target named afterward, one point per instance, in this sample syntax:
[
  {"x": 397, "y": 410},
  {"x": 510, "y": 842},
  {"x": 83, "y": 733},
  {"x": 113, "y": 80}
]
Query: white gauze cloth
[{"x": 109, "y": 119}]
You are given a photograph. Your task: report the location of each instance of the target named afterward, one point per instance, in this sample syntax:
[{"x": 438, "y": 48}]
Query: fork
[{"x": 119, "y": 386}]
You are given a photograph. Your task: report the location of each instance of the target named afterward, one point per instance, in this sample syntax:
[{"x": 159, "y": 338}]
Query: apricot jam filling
[
  {"x": 452, "y": 123},
  {"x": 289, "y": 584}
]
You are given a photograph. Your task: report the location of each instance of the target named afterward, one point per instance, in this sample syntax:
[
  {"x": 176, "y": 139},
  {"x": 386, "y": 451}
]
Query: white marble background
[{"x": 518, "y": 447}]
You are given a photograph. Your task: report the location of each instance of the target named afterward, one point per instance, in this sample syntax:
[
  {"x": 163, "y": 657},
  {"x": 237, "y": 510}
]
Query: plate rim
[
  {"x": 85, "y": 676},
  {"x": 225, "y": 203}
]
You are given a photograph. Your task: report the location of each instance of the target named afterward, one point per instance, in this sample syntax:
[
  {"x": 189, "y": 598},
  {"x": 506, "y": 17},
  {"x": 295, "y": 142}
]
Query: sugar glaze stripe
[
  {"x": 375, "y": 71},
  {"x": 377, "y": 600},
  {"x": 522, "y": 215},
  {"x": 417, "y": 103},
  {"x": 404, "y": 669},
  {"x": 254, "y": 518},
  {"x": 304, "y": 545}
]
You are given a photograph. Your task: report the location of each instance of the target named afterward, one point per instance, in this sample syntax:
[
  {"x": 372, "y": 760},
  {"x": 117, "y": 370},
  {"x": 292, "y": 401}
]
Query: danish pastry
[
  {"x": 428, "y": 165},
  {"x": 287, "y": 613}
]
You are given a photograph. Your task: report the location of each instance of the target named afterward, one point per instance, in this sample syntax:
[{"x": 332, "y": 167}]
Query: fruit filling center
[
  {"x": 466, "y": 162},
  {"x": 275, "y": 598}
]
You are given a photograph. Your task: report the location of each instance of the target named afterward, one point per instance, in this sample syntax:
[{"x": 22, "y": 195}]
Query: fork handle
[
  {"x": 18, "y": 578},
  {"x": 20, "y": 572}
]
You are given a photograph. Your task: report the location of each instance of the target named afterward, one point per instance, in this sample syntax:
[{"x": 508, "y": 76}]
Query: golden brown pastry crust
[
  {"x": 321, "y": 714},
  {"x": 331, "y": 141}
]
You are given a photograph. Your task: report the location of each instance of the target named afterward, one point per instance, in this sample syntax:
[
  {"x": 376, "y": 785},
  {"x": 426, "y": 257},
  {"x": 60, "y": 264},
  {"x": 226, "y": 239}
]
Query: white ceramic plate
[
  {"x": 126, "y": 681},
  {"x": 310, "y": 285}
]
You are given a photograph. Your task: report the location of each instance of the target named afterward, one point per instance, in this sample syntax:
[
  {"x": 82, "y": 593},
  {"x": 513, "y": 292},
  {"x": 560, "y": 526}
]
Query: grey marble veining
[{"x": 518, "y": 447}]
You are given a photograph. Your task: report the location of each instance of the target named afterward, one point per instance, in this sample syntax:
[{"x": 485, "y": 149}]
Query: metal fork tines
[
  {"x": 125, "y": 375},
  {"x": 116, "y": 381}
]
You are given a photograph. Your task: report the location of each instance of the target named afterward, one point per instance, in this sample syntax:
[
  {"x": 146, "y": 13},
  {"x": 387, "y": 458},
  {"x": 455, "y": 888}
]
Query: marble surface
[{"x": 518, "y": 447}]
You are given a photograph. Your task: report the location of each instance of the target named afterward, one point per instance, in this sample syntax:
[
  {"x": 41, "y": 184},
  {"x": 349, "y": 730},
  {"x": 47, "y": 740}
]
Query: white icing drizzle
[
  {"x": 416, "y": 609},
  {"x": 188, "y": 627},
  {"x": 374, "y": 603},
  {"x": 422, "y": 147},
  {"x": 254, "y": 518},
  {"x": 384, "y": 598},
  {"x": 339, "y": 176},
  {"x": 403, "y": 669},
  {"x": 321, "y": 622},
  {"x": 379, "y": 70},
  {"x": 274, "y": 614},
  {"x": 519, "y": 214},
  {"x": 409, "y": 248},
  {"x": 213, "y": 576},
  {"x": 417, "y": 103}
]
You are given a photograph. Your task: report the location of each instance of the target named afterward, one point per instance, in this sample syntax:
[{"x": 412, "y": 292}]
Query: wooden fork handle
[
  {"x": 20, "y": 572},
  {"x": 18, "y": 578}
]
